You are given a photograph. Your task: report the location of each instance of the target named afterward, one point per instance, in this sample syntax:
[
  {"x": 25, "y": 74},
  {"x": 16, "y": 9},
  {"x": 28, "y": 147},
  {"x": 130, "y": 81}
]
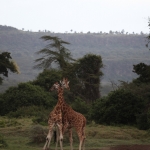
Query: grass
[{"x": 16, "y": 133}]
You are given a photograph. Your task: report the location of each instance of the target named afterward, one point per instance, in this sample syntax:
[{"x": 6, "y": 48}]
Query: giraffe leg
[
  {"x": 48, "y": 140},
  {"x": 70, "y": 139},
  {"x": 49, "y": 136},
  {"x": 81, "y": 135},
  {"x": 83, "y": 144},
  {"x": 60, "y": 135},
  {"x": 84, "y": 137}
]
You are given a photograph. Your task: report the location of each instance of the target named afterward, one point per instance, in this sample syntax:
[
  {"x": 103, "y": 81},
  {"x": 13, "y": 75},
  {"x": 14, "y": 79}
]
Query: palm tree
[{"x": 54, "y": 52}]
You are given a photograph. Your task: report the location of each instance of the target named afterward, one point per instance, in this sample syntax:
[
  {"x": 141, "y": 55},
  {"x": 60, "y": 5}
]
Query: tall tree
[
  {"x": 88, "y": 73},
  {"x": 6, "y": 65},
  {"x": 54, "y": 52}
]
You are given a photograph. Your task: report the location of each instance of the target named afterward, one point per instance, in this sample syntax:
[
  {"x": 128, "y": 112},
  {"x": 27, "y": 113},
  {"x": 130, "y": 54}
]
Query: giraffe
[
  {"x": 55, "y": 119},
  {"x": 71, "y": 118}
]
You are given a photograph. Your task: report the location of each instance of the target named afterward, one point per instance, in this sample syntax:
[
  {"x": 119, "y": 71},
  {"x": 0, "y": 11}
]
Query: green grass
[{"x": 16, "y": 133}]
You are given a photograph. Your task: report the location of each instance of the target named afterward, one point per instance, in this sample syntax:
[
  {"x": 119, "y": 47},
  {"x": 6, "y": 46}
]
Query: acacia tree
[
  {"x": 6, "y": 65},
  {"x": 54, "y": 52}
]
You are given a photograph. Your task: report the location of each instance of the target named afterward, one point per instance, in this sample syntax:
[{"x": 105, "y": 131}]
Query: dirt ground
[{"x": 128, "y": 147}]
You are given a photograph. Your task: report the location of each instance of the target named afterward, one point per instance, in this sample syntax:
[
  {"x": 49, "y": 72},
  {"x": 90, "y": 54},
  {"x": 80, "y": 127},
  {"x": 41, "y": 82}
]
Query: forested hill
[{"x": 119, "y": 52}]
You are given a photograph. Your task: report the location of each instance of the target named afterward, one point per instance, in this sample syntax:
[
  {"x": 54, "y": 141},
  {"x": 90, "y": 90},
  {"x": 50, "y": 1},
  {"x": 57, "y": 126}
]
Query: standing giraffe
[
  {"x": 55, "y": 118},
  {"x": 71, "y": 118}
]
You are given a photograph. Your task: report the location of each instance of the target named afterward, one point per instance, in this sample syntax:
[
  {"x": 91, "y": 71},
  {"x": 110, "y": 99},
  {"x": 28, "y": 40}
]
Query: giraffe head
[
  {"x": 55, "y": 86},
  {"x": 65, "y": 84}
]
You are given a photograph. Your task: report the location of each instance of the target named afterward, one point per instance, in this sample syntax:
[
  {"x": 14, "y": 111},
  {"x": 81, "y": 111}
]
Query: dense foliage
[
  {"x": 85, "y": 77},
  {"x": 129, "y": 104},
  {"x": 3, "y": 143},
  {"x": 7, "y": 64},
  {"x": 89, "y": 74},
  {"x": 118, "y": 51},
  {"x": 24, "y": 95},
  {"x": 47, "y": 78},
  {"x": 119, "y": 107},
  {"x": 143, "y": 71},
  {"x": 54, "y": 52}
]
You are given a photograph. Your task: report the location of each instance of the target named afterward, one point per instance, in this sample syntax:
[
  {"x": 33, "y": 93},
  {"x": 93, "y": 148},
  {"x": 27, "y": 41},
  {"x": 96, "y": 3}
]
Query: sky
[{"x": 62, "y": 16}]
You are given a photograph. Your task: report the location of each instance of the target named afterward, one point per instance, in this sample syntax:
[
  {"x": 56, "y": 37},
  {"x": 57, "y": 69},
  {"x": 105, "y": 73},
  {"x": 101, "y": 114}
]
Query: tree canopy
[
  {"x": 54, "y": 52},
  {"x": 6, "y": 65}
]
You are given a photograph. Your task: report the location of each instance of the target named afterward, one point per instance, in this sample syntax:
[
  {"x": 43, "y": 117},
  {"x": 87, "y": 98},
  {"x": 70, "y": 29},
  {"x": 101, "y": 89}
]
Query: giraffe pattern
[
  {"x": 71, "y": 118},
  {"x": 64, "y": 117},
  {"x": 55, "y": 119}
]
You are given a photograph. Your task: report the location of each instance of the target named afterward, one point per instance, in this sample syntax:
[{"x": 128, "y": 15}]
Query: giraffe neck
[{"x": 60, "y": 96}]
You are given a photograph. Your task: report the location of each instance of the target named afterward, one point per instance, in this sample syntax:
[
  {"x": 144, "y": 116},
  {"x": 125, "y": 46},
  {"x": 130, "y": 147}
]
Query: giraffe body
[
  {"x": 64, "y": 117},
  {"x": 55, "y": 119},
  {"x": 74, "y": 119},
  {"x": 71, "y": 118}
]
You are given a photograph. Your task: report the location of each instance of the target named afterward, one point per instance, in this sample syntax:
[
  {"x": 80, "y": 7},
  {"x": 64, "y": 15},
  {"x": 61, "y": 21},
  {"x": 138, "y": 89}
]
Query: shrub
[
  {"x": 25, "y": 95},
  {"x": 80, "y": 106},
  {"x": 38, "y": 134},
  {"x": 8, "y": 122},
  {"x": 47, "y": 78},
  {"x": 143, "y": 120},
  {"x": 119, "y": 107},
  {"x": 3, "y": 143},
  {"x": 29, "y": 111}
]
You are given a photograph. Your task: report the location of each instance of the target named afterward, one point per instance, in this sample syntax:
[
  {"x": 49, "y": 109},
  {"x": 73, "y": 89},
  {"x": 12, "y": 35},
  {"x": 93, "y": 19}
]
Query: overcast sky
[{"x": 77, "y": 15}]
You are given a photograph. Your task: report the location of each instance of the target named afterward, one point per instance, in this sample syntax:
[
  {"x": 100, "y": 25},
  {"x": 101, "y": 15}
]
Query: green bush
[
  {"x": 38, "y": 134},
  {"x": 143, "y": 120},
  {"x": 41, "y": 117},
  {"x": 25, "y": 95},
  {"x": 29, "y": 111},
  {"x": 47, "y": 78},
  {"x": 80, "y": 106},
  {"x": 8, "y": 122},
  {"x": 119, "y": 107},
  {"x": 3, "y": 143}
]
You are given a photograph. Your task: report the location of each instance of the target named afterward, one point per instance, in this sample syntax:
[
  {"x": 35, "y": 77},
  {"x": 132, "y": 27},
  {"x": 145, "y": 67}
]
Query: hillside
[{"x": 119, "y": 52}]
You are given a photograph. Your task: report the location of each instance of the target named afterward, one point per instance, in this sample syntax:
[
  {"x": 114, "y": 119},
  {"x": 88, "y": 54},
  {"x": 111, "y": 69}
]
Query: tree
[
  {"x": 54, "y": 52},
  {"x": 87, "y": 72},
  {"x": 143, "y": 71},
  {"x": 7, "y": 64},
  {"x": 119, "y": 107},
  {"x": 47, "y": 78}
]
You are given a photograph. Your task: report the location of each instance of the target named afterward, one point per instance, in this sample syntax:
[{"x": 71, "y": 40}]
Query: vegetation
[
  {"x": 119, "y": 107},
  {"x": 118, "y": 51},
  {"x": 85, "y": 78},
  {"x": 24, "y": 95},
  {"x": 128, "y": 105},
  {"x": 60, "y": 55},
  {"x": 25, "y": 136},
  {"x": 7, "y": 64},
  {"x": 88, "y": 71},
  {"x": 3, "y": 143}
]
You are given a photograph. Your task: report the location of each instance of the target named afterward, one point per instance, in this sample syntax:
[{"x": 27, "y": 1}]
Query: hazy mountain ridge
[{"x": 119, "y": 52}]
